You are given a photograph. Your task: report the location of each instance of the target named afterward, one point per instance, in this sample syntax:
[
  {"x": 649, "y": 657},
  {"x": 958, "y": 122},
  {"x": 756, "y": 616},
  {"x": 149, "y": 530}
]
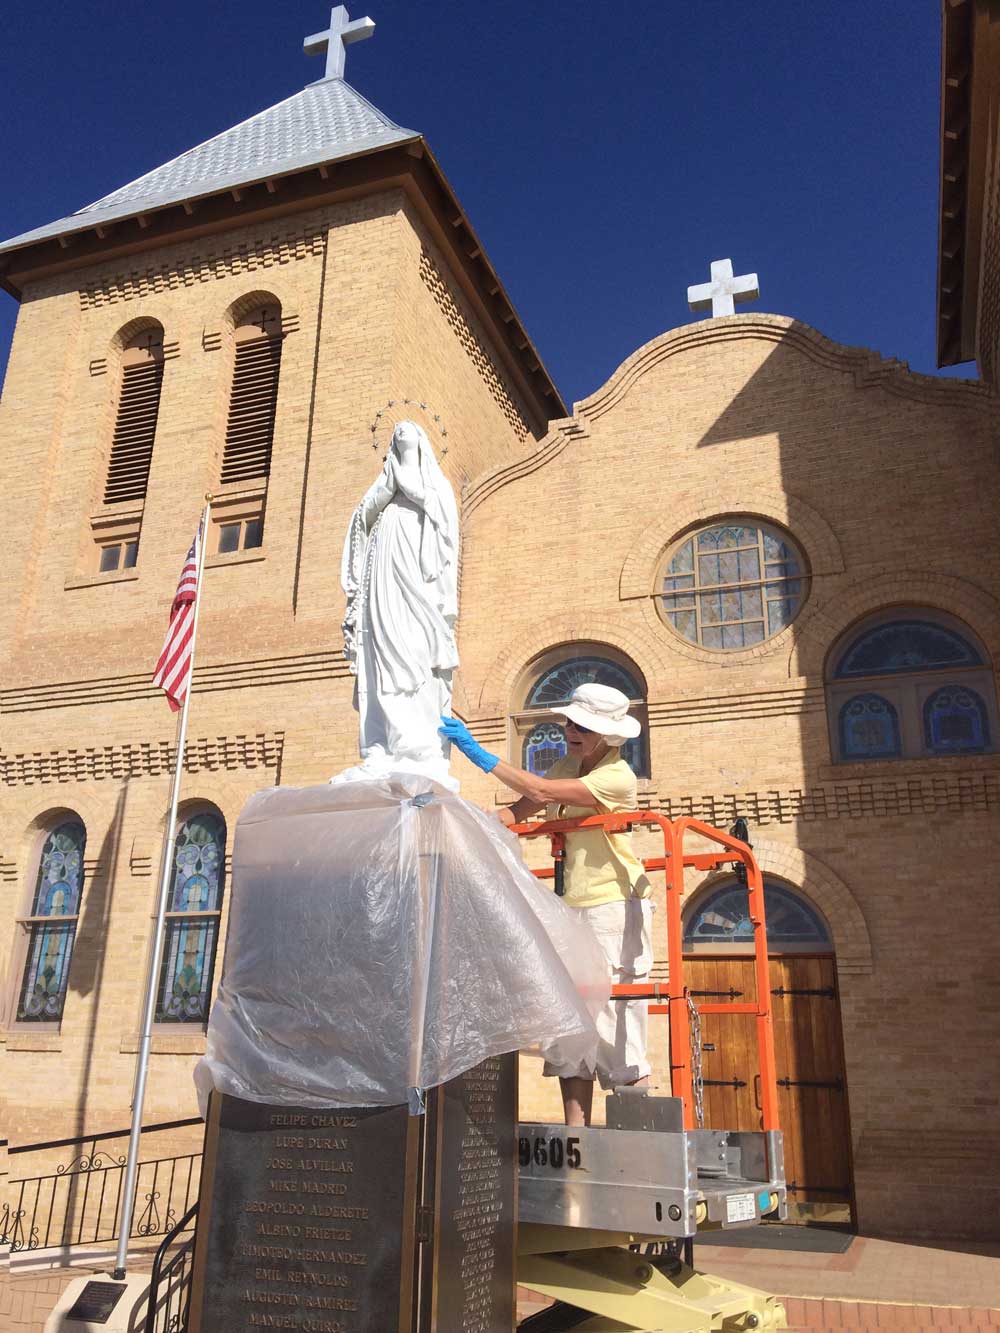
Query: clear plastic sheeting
[{"x": 383, "y": 938}]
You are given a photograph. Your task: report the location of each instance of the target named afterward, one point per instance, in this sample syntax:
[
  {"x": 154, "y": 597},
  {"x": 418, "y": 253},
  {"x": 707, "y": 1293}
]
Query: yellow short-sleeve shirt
[{"x": 600, "y": 867}]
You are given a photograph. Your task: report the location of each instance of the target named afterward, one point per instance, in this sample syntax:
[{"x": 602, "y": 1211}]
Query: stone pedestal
[{"x": 364, "y": 1220}]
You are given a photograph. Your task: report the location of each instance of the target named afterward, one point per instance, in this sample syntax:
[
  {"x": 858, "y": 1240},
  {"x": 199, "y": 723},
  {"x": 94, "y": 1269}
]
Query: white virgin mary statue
[{"x": 400, "y": 574}]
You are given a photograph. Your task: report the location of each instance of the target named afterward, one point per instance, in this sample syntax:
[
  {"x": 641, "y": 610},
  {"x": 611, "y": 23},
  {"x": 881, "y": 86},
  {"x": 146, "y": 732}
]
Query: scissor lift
[{"x": 608, "y": 1216}]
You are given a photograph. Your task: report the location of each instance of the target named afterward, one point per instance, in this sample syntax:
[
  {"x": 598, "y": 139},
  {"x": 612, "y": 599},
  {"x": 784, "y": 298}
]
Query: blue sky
[{"x": 605, "y": 152}]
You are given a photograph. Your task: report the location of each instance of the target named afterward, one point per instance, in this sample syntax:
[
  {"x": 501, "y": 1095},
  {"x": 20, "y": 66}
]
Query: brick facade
[
  {"x": 887, "y": 481},
  {"x": 884, "y": 479}
]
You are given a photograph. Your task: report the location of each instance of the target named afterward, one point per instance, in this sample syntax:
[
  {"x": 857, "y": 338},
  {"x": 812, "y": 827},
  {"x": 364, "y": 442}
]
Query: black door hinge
[
  {"x": 827, "y": 992},
  {"x": 837, "y": 1084}
]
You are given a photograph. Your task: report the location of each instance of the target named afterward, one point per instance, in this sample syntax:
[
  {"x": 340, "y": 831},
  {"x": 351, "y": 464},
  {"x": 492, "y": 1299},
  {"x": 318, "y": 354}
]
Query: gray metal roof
[{"x": 325, "y": 121}]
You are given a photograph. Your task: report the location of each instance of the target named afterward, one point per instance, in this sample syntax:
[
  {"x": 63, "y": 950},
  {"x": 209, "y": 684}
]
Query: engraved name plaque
[
  {"x": 364, "y": 1220},
  {"x": 303, "y": 1219},
  {"x": 96, "y": 1303},
  {"x": 477, "y": 1200}
]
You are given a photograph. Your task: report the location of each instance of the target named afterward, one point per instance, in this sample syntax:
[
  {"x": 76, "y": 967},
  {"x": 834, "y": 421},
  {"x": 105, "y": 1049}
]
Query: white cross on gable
[
  {"x": 341, "y": 32},
  {"x": 723, "y": 290}
]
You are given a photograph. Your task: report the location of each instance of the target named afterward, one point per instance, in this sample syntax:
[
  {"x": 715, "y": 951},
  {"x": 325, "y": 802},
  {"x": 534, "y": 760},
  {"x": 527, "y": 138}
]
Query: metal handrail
[
  {"x": 161, "y": 1272},
  {"x": 673, "y": 862}
]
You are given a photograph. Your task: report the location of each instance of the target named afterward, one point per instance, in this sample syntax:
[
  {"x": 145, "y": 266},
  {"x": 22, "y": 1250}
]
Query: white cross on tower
[
  {"x": 723, "y": 290},
  {"x": 341, "y": 32}
]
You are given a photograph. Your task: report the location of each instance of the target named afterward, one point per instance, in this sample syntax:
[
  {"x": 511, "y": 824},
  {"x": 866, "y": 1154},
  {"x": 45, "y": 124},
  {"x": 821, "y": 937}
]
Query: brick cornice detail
[
  {"x": 976, "y": 791},
  {"x": 142, "y": 759},
  {"x": 262, "y": 251}
]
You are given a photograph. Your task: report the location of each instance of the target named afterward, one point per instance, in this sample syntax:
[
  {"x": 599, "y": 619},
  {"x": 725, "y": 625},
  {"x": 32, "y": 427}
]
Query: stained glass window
[
  {"x": 906, "y": 645},
  {"x": 52, "y": 929},
  {"x": 869, "y": 728},
  {"x": 733, "y": 585},
  {"x": 722, "y": 918},
  {"x": 193, "y": 920},
  {"x": 545, "y": 742},
  {"x": 955, "y": 721},
  {"x": 886, "y": 695}
]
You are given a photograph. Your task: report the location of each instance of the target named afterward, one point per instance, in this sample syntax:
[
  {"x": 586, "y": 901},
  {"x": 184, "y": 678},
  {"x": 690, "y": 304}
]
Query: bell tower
[{"x": 229, "y": 323}]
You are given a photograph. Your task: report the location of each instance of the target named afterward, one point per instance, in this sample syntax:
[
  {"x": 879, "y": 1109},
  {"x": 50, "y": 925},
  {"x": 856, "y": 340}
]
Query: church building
[{"x": 783, "y": 549}]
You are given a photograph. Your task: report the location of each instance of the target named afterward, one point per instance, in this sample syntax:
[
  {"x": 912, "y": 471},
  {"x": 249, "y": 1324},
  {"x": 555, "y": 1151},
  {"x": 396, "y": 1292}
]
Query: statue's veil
[{"x": 439, "y": 539}]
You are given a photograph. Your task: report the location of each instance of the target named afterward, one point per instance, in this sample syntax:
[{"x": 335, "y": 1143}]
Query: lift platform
[{"x": 608, "y": 1215}]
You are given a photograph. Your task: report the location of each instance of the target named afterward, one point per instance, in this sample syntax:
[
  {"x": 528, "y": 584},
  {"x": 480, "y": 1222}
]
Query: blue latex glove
[{"x": 458, "y": 733}]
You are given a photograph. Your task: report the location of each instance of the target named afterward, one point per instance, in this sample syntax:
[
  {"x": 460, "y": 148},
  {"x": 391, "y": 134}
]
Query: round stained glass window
[{"x": 732, "y": 585}]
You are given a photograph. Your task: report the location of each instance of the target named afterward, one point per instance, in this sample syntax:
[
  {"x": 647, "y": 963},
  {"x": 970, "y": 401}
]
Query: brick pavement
[
  {"x": 806, "y": 1316},
  {"x": 809, "y": 1315},
  {"x": 875, "y": 1283},
  {"x": 914, "y": 1273}
]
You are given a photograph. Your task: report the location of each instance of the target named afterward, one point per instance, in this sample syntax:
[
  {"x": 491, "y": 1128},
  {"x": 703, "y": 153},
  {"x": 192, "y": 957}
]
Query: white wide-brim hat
[{"x": 603, "y": 709}]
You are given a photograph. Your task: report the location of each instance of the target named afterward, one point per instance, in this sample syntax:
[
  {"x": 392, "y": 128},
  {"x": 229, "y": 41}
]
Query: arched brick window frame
[
  {"x": 257, "y": 339},
  {"x": 194, "y": 917},
  {"x": 718, "y": 917},
  {"x": 910, "y": 682},
  {"x": 824, "y": 889},
  {"x": 536, "y": 734},
  {"x": 140, "y": 352},
  {"x": 49, "y": 919}
]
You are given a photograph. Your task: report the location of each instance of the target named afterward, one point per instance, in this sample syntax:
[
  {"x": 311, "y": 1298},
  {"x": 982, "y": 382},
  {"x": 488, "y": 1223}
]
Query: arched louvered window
[
  {"x": 51, "y": 923},
  {"x": 552, "y": 680},
  {"x": 135, "y": 420},
  {"x": 193, "y": 911},
  {"x": 254, "y": 397},
  {"x": 910, "y": 682}
]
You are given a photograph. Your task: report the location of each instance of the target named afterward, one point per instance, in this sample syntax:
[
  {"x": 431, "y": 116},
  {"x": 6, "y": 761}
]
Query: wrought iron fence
[
  {"x": 170, "y": 1279},
  {"x": 80, "y": 1203}
]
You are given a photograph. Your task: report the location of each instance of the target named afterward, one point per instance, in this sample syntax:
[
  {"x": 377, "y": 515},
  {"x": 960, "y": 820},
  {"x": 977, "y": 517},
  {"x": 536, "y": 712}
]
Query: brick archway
[
  {"x": 826, "y": 890},
  {"x": 502, "y": 677},
  {"x": 875, "y": 592}
]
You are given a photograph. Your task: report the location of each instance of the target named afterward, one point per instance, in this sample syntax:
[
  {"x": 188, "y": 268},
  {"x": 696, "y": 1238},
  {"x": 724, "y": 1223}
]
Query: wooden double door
[{"x": 812, "y": 1091}]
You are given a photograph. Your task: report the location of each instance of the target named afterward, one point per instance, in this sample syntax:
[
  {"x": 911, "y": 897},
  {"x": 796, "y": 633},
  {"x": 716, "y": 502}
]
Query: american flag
[{"x": 173, "y": 670}]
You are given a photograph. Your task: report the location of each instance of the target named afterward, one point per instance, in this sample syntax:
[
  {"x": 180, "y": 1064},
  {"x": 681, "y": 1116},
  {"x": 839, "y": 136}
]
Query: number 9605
[{"x": 554, "y": 1152}]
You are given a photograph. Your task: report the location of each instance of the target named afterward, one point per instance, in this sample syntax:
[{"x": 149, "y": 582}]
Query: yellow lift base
[{"x": 625, "y": 1292}]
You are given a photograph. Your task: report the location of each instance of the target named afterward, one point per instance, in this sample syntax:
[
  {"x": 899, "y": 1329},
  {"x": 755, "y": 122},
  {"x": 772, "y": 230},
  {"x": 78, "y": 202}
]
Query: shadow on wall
[{"x": 90, "y": 953}]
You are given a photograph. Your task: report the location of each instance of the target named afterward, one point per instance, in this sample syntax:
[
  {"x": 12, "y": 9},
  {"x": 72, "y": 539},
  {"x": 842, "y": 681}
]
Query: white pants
[{"x": 624, "y": 930}]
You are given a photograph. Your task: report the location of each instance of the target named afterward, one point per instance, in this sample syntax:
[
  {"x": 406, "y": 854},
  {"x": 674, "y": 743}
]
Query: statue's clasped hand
[{"x": 459, "y": 735}]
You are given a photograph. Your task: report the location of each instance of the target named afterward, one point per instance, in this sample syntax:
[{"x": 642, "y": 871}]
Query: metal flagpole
[{"x": 153, "y": 976}]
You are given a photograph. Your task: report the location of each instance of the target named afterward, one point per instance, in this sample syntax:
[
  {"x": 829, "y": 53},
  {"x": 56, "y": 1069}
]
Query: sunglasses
[{"x": 584, "y": 731}]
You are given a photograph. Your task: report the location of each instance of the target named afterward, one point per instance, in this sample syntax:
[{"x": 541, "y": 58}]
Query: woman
[{"x": 604, "y": 878}]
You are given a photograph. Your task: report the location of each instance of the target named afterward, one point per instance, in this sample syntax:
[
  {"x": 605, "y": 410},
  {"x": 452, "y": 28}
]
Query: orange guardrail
[{"x": 674, "y": 994}]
